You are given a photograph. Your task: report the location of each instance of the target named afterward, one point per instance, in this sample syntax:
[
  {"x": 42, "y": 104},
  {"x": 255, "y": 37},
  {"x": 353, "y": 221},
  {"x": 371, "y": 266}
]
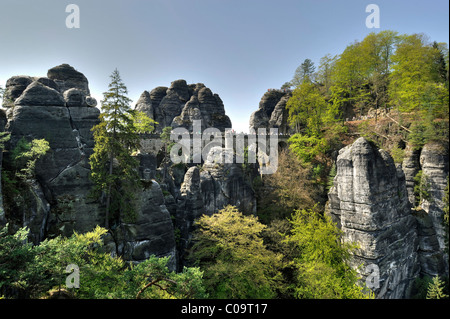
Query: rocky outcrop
[
  {"x": 47, "y": 109},
  {"x": 190, "y": 206},
  {"x": 435, "y": 172},
  {"x": 272, "y": 112},
  {"x": 411, "y": 166},
  {"x": 432, "y": 162},
  {"x": 151, "y": 232},
  {"x": 66, "y": 77},
  {"x": 369, "y": 202},
  {"x": 207, "y": 190},
  {"x": 223, "y": 183},
  {"x": 180, "y": 104},
  {"x": 58, "y": 108}
]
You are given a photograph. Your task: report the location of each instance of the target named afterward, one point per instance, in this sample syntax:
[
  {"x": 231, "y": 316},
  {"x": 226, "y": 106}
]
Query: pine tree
[
  {"x": 304, "y": 72},
  {"x": 116, "y": 138}
]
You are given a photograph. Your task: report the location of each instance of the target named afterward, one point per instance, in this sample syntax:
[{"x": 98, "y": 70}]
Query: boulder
[
  {"x": 75, "y": 98},
  {"x": 38, "y": 94},
  {"x": 190, "y": 113},
  {"x": 14, "y": 88},
  {"x": 259, "y": 119},
  {"x": 180, "y": 88},
  {"x": 67, "y": 78},
  {"x": 280, "y": 115},
  {"x": 47, "y": 82}
]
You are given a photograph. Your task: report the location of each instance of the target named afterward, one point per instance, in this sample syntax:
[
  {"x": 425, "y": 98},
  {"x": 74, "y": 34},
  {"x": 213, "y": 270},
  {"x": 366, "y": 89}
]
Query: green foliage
[
  {"x": 18, "y": 173},
  {"x": 15, "y": 254},
  {"x": 229, "y": 249},
  {"x": 416, "y": 83},
  {"x": 307, "y": 148},
  {"x": 421, "y": 188},
  {"x": 165, "y": 137},
  {"x": 28, "y": 271},
  {"x": 397, "y": 154},
  {"x": 436, "y": 289},
  {"x": 331, "y": 176},
  {"x": 26, "y": 154},
  {"x": 307, "y": 108},
  {"x": 420, "y": 287},
  {"x": 113, "y": 168},
  {"x": 289, "y": 188},
  {"x": 4, "y": 137},
  {"x": 141, "y": 122},
  {"x": 321, "y": 262}
]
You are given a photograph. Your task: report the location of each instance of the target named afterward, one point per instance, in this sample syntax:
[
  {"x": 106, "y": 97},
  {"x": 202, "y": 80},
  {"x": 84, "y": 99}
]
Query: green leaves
[
  {"x": 307, "y": 148},
  {"x": 32, "y": 271},
  {"x": 436, "y": 289},
  {"x": 307, "y": 108},
  {"x": 236, "y": 263},
  {"x": 321, "y": 263},
  {"x": 416, "y": 81}
]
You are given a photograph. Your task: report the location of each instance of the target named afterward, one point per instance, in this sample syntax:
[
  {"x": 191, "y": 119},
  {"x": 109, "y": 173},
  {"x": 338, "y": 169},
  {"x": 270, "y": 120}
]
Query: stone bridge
[{"x": 152, "y": 143}]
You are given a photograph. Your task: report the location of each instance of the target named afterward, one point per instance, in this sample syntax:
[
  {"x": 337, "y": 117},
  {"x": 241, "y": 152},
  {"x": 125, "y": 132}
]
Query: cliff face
[
  {"x": 180, "y": 104},
  {"x": 370, "y": 203}
]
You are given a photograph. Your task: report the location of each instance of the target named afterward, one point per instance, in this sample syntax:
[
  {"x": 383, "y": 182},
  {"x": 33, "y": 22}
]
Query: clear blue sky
[{"x": 238, "y": 48}]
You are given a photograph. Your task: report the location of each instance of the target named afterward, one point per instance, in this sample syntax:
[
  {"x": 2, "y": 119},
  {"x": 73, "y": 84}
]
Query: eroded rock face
[
  {"x": 272, "y": 112},
  {"x": 152, "y": 232},
  {"x": 181, "y": 104},
  {"x": 59, "y": 109},
  {"x": 190, "y": 206},
  {"x": 435, "y": 171},
  {"x": 224, "y": 184},
  {"x": 369, "y": 202}
]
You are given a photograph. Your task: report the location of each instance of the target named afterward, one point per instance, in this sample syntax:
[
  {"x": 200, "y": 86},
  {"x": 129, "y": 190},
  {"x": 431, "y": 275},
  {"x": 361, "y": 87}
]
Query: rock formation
[
  {"x": 41, "y": 110},
  {"x": 180, "y": 104},
  {"x": 59, "y": 109},
  {"x": 223, "y": 183},
  {"x": 272, "y": 112},
  {"x": 372, "y": 201},
  {"x": 369, "y": 202},
  {"x": 435, "y": 172}
]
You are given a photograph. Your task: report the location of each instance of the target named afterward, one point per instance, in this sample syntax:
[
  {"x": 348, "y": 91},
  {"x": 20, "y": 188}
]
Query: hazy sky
[{"x": 237, "y": 48}]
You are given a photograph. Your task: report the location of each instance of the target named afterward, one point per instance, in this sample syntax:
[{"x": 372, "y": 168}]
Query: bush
[{"x": 28, "y": 271}]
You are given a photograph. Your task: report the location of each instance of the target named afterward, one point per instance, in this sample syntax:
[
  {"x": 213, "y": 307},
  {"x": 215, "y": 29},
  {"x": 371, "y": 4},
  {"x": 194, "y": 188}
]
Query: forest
[{"x": 390, "y": 88}]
